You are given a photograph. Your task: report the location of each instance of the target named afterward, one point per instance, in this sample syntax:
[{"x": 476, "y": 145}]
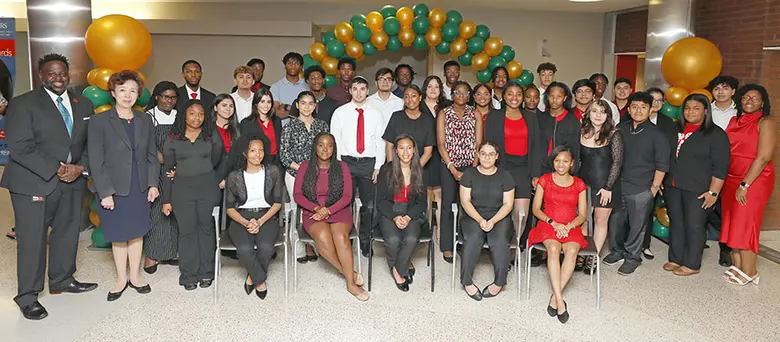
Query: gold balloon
[
  {"x": 437, "y": 17},
  {"x": 458, "y": 47},
  {"x": 354, "y": 49},
  {"x": 406, "y": 36},
  {"x": 103, "y": 108},
  {"x": 374, "y": 21},
  {"x": 138, "y": 108},
  {"x": 379, "y": 39},
  {"x": 663, "y": 216},
  {"x": 514, "y": 68},
  {"x": 405, "y": 16},
  {"x": 467, "y": 29},
  {"x": 480, "y": 61},
  {"x": 704, "y": 92},
  {"x": 343, "y": 32},
  {"x": 143, "y": 79},
  {"x": 691, "y": 63},
  {"x": 118, "y": 42},
  {"x": 330, "y": 65},
  {"x": 361, "y": 57},
  {"x": 433, "y": 36},
  {"x": 92, "y": 75},
  {"x": 101, "y": 78},
  {"x": 493, "y": 46},
  {"x": 676, "y": 96},
  {"x": 94, "y": 218},
  {"x": 318, "y": 51}
]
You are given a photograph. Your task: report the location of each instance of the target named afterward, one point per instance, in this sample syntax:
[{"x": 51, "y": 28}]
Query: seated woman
[
  {"x": 563, "y": 196},
  {"x": 323, "y": 189},
  {"x": 253, "y": 198},
  {"x": 486, "y": 195},
  {"x": 402, "y": 199}
]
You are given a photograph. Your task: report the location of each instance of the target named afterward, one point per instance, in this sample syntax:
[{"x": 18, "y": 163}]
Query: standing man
[
  {"x": 601, "y": 81},
  {"x": 358, "y": 129},
  {"x": 404, "y": 75},
  {"x": 384, "y": 100},
  {"x": 340, "y": 92},
  {"x": 546, "y": 72},
  {"x": 244, "y": 77},
  {"x": 623, "y": 89},
  {"x": 451, "y": 75},
  {"x": 192, "y": 73},
  {"x": 584, "y": 92},
  {"x": 258, "y": 65},
  {"x": 286, "y": 90},
  {"x": 315, "y": 78},
  {"x": 645, "y": 163},
  {"x": 46, "y": 132}
]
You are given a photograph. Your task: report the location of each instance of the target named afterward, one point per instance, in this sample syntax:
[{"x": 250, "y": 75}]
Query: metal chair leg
[
  {"x": 518, "y": 270},
  {"x": 286, "y": 266},
  {"x": 431, "y": 256},
  {"x": 598, "y": 284},
  {"x": 528, "y": 273},
  {"x": 370, "y": 264},
  {"x": 295, "y": 266}
]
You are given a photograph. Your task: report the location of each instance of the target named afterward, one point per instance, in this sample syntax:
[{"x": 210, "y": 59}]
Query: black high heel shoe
[
  {"x": 248, "y": 287},
  {"x": 564, "y": 317},
  {"x": 409, "y": 279},
  {"x": 476, "y": 296},
  {"x": 261, "y": 294},
  {"x": 404, "y": 286},
  {"x": 140, "y": 289},
  {"x": 486, "y": 292},
  {"x": 551, "y": 310},
  {"x": 112, "y": 296},
  {"x": 151, "y": 269}
]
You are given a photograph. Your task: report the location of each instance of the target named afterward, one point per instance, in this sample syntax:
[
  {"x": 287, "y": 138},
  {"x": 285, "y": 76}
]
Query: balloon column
[
  {"x": 688, "y": 66},
  {"x": 114, "y": 43},
  {"x": 661, "y": 219},
  {"x": 418, "y": 27}
]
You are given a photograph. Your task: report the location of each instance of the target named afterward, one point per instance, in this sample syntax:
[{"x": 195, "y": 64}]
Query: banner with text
[{"x": 7, "y": 76}]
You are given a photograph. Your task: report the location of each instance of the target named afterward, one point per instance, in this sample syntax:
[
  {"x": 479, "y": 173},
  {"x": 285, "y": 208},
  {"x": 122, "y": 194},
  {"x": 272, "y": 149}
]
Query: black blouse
[
  {"x": 487, "y": 191},
  {"x": 417, "y": 204},
  {"x": 702, "y": 156},
  {"x": 190, "y": 158}
]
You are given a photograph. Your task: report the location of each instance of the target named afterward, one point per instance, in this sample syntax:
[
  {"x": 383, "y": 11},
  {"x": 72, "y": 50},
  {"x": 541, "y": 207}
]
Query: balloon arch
[{"x": 418, "y": 27}]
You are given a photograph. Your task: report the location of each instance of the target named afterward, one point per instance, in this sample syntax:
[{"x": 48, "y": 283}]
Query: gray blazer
[{"x": 111, "y": 166}]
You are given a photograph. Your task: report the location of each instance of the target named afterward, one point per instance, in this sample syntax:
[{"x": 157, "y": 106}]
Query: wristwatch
[
  {"x": 713, "y": 193},
  {"x": 286, "y": 107},
  {"x": 549, "y": 220},
  {"x": 744, "y": 185}
]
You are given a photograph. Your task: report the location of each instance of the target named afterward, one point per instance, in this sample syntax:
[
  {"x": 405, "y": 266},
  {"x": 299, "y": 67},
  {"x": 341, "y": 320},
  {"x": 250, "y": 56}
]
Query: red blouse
[
  {"x": 268, "y": 129},
  {"x": 225, "y": 134},
  {"x": 516, "y": 137},
  {"x": 403, "y": 195}
]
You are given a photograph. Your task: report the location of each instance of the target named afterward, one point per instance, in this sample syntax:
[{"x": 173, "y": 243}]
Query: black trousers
[
  {"x": 193, "y": 202},
  {"x": 362, "y": 170},
  {"x": 60, "y": 210},
  {"x": 688, "y": 227},
  {"x": 400, "y": 243},
  {"x": 255, "y": 261},
  {"x": 450, "y": 189},
  {"x": 498, "y": 240},
  {"x": 628, "y": 224}
]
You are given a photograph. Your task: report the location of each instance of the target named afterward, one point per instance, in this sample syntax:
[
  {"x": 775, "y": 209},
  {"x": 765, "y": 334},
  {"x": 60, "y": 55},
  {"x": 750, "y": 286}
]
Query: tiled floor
[{"x": 651, "y": 305}]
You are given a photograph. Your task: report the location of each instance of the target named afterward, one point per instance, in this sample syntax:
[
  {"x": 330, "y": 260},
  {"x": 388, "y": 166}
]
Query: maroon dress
[{"x": 340, "y": 212}]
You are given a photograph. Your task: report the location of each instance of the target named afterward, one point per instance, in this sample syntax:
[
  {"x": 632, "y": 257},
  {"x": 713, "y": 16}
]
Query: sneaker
[
  {"x": 627, "y": 268},
  {"x": 648, "y": 254},
  {"x": 612, "y": 258}
]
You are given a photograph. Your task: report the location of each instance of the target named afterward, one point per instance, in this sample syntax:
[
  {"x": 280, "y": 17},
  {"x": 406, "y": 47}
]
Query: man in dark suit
[
  {"x": 46, "y": 132},
  {"x": 191, "y": 90}
]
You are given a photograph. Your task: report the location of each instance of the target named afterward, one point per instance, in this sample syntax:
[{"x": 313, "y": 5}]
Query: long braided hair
[
  {"x": 161, "y": 87},
  {"x": 180, "y": 123},
  {"x": 335, "y": 174}
]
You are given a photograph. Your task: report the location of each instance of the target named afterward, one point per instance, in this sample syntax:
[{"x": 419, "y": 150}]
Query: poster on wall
[{"x": 7, "y": 76}]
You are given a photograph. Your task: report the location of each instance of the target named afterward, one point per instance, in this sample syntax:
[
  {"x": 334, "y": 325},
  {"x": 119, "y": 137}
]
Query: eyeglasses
[
  {"x": 461, "y": 92},
  {"x": 754, "y": 99},
  {"x": 166, "y": 97},
  {"x": 658, "y": 101},
  {"x": 384, "y": 79},
  {"x": 583, "y": 91},
  {"x": 488, "y": 154}
]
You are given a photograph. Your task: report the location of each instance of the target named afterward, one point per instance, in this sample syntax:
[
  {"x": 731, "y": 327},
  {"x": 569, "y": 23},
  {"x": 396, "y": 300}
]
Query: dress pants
[
  {"x": 688, "y": 227},
  {"x": 450, "y": 189},
  {"x": 498, "y": 240},
  {"x": 193, "y": 201},
  {"x": 60, "y": 210},
  {"x": 362, "y": 170},
  {"x": 400, "y": 243},
  {"x": 255, "y": 261},
  {"x": 649, "y": 231},
  {"x": 628, "y": 223}
]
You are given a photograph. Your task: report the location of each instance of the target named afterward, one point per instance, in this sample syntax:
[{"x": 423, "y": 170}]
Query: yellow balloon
[
  {"x": 318, "y": 51},
  {"x": 493, "y": 46},
  {"x": 437, "y": 17},
  {"x": 138, "y": 108},
  {"x": 704, "y": 92},
  {"x": 467, "y": 29},
  {"x": 103, "y": 108},
  {"x": 433, "y": 36},
  {"x": 480, "y": 61},
  {"x": 663, "y": 216},
  {"x": 343, "y": 32},
  {"x": 354, "y": 49},
  {"x": 405, "y": 16},
  {"x": 118, "y": 42},
  {"x": 676, "y": 96},
  {"x": 514, "y": 68},
  {"x": 691, "y": 63},
  {"x": 94, "y": 218},
  {"x": 330, "y": 65},
  {"x": 406, "y": 36},
  {"x": 143, "y": 79},
  {"x": 101, "y": 78},
  {"x": 374, "y": 21},
  {"x": 458, "y": 47},
  {"x": 91, "y": 76},
  {"x": 379, "y": 39}
]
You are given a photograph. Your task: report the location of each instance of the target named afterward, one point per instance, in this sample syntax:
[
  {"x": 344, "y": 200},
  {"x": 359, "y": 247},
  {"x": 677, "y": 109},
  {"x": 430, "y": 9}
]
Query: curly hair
[
  {"x": 123, "y": 76},
  {"x": 395, "y": 178},
  {"x": 180, "y": 123},
  {"x": 244, "y": 149},
  {"x": 766, "y": 108},
  {"x": 53, "y": 57},
  {"x": 335, "y": 174},
  {"x": 441, "y": 102},
  {"x": 603, "y": 135}
]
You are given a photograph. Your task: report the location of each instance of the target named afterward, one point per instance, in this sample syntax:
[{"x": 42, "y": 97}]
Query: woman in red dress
[
  {"x": 559, "y": 227},
  {"x": 749, "y": 182}
]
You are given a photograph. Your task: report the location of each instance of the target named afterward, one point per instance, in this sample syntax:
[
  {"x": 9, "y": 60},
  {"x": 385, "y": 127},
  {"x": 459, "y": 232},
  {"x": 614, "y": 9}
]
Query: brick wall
[
  {"x": 631, "y": 31},
  {"x": 770, "y": 78}
]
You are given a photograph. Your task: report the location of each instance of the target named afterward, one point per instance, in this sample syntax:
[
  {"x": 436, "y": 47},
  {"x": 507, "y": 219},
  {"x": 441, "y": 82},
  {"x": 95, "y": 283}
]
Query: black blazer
[
  {"x": 417, "y": 204},
  {"x": 38, "y": 141},
  {"x": 112, "y": 154},
  {"x": 250, "y": 125},
  {"x": 668, "y": 127},
  {"x": 701, "y": 157},
  {"x": 566, "y": 132},
  {"x": 236, "y": 194},
  {"x": 206, "y": 98},
  {"x": 494, "y": 131}
]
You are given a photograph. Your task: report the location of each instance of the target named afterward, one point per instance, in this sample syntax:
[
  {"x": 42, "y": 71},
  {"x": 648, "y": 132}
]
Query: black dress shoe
[
  {"x": 172, "y": 262},
  {"x": 273, "y": 256},
  {"x": 75, "y": 287},
  {"x": 248, "y": 288},
  {"x": 190, "y": 287},
  {"x": 140, "y": 289},
  {"x": 551, "y": 310},
  {"x": 366, "y": 252},
  {"x": 404, "y": 286},
  {"x": 151, "y": 269},
  {"x": 564, "y": 317},
  {"x": 302, "y": 260},
  {"x": 34, "y": 311},
  {"x": 448, "y": 259},
  {"x": 476, "y": 296},
  {"x": 412, "y": 271},
  {"x": 261, "y": 294},
  {"x": 312, "y": 258},
  {"x": 204, "y": 283},
  {"x": 112, "y": 296},
  {"x": 486, "y": 292},
  {"x": 409, "y": 279},
  {"x": 725, "y": 258}
]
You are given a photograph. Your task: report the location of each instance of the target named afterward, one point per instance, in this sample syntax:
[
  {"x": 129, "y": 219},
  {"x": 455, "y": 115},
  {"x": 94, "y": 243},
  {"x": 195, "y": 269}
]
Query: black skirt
[
  {"x": 517, "y": 166},
  {"x": 431, "y": 176}
]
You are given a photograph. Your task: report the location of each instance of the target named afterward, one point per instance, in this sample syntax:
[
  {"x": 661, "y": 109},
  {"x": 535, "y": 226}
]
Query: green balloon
[
  {"x": 476, "y": 45},
  {"x": 465, "y": 59},
  {"x": 357, "y": 19},
  {"x": 483, "y": 76},
  {"x": 483, "y": 32},
  {"x": 330, "y": 80},
  {"x": 394, "y": 44},
  {"x": 98, "y": 240},
  {"x": 98, "y": 96},
  {"x": 362, "y": 33},
  {"x": 327, "y": 37},
  {"x": 660, "y": 201},
  {"x": 496, "y": 62},
  {"x": 454, "y": 17},
  {"x": 369, "y": 49},
  {"x": 421, "y": 24},
  {"x": 671, "y": 111},
  {"x": 335, "y": 49},
  {"x": 388, "y": 11},
  {"x": 526, "y": 78},
  {"x": 659, "y": 230},
  {"x": 508, "y": 53},
  {"x": 145, "y": 96},
  {"x": 443, "y": 48},
  {"x": 309, "y": 62},
  {"x": 420, "y": 10},
  {"x": 419, "y": 43},
  {"x": 392, "y": 26},
  {"x": 449, "y": 32},
  {"x": 93, "y": 205}
]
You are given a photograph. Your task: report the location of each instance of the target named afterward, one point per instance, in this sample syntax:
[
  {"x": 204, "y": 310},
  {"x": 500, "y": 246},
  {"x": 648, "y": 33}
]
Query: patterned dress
[{"x": 460, "y": 137}]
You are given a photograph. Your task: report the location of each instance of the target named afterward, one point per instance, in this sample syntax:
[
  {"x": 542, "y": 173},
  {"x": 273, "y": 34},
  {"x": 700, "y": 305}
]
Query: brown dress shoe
[
  {"x": 684, "y": 271},
  {"x": 670, "y": 266}
]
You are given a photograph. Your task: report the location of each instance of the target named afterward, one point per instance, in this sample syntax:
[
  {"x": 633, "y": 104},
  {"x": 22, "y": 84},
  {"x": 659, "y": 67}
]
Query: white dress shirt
[
  {"x": 615, "y": 111},
  {"x": 496, "y": 103},
  {"x": 541, "y": 105},
  {"x": 160, "y": 118},
  {"x": 255, "y": 191},
  {"x": 386, "y": 107},
  {"x": 190, "y": 92},
  {"x": 343, "y": 126},
  {"x": 65, "y": 102},
  {"x": 722, "y": 117},
  {"x": 447, "y": 92},
  {"x": 243, "y": 107}
]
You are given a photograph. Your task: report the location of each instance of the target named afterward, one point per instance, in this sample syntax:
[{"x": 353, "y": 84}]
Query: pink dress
[
  {"x": 560, "y": 204},
  {"x": 340, "y": 212}
]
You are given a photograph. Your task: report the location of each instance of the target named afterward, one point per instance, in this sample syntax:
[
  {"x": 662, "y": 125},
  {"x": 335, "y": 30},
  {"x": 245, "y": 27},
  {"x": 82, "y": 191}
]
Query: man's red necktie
[
  {"x": 361, "y": 128},
  {"x": 194, "y": 96}
]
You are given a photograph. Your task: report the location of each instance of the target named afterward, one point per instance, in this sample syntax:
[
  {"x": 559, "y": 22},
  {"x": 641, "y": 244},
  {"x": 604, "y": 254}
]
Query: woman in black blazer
[
  {"x": 699, "y": 164},
  {"x": 264, "y": 122},
  {"x": 402, "y": 198},
  {"x": 125, "y": 173},
  {"x": 253, "y": 199}
]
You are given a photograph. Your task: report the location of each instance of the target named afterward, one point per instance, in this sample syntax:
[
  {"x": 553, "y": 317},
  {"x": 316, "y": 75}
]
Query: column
[{"x": 667, "y": 22}]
